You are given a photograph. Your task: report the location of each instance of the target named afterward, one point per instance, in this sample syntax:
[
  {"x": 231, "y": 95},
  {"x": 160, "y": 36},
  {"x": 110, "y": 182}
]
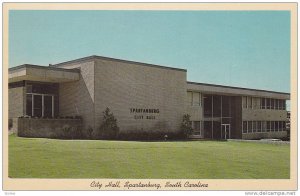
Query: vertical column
[
  {"x": 221, "y": 115},
  {"x": 43, "y": 105},
  {"x": 52, "y": 106},
  {"x": 212, "y": 116},
  {"x": 32, "y": 105}
]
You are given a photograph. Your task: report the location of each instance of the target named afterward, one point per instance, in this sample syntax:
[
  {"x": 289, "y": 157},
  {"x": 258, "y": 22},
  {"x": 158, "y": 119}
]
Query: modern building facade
[{"x": 144, "y": 97}]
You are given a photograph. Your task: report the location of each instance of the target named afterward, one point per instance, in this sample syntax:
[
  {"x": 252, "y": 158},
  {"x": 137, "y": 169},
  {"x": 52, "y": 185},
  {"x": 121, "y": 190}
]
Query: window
[
  {"x": 284, "y": 126},
  {"x": 40, "y": 99},
  {"x": 272, "y": 125},
  {"x": 280, "y": 126},
  {"x": 249, "y": 101},
  {"x": 282, "y": 104},
  {"x": 40, "y": 105},
  {"x": 196, "y": 99},
  {"x": 263, "y": 103},
  {"x": 37, "y": 105},
  {"x": 278, "y": 104},
  {"x": 29, "y": 104},
  {"x": 249, "y": 126},
  {"x": 259, "y": 124},
  {"x": 254, "y": 128},
  {"x": 190, "y": 98},
  {"x": 244, "y": 102},
  {"x": 271, "y": 103},
  {"x": 276, "y": 125},
  {"x": 245, "y": 127},
  {"x": 268, "y": 104},
  {"x": 48, "y": 106},
  {"x": 268, "y": 126},
  {"x": 256, "y": 103},
  {"x": 196, "y": 127}
]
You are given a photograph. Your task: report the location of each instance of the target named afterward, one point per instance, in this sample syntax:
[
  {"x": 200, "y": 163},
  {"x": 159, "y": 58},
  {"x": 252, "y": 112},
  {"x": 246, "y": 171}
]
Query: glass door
[{"x": 225, "y": 131}]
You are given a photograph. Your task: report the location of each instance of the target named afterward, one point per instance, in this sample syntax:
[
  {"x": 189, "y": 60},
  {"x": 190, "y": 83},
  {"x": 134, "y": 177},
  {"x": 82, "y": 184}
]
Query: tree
[
  {"x": 186, "y": 125},
  {"x": 109, "y": 128}
]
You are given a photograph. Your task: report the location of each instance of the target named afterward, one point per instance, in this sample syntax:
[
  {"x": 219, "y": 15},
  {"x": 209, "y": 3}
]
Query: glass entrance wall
[
  {"x": 217, "y": 110},
  {"x": 41, "y": 99}
]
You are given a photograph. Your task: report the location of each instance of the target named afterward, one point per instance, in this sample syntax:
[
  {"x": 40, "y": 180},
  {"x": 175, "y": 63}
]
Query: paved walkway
[{"x": 267, "y": 141}]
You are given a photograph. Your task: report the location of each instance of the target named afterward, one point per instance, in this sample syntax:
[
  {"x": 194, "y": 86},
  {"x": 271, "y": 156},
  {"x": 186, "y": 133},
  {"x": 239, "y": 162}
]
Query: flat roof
[
  {"x": 43, "y": 67},
  {"x": 93, "y": 57},
  {"x": 230, "y": 90},
  {"x": 234, "y": 87},
  {"x": 42, "y": 73}
]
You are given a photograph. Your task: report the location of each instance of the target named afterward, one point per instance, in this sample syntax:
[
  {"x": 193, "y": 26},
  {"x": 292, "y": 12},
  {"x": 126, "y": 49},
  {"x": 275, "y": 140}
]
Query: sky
[{"x": 248, "y": 49}]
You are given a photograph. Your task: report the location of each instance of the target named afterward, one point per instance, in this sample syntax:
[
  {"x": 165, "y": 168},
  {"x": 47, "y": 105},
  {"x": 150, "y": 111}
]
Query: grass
[{"x": 50, "y": 158}]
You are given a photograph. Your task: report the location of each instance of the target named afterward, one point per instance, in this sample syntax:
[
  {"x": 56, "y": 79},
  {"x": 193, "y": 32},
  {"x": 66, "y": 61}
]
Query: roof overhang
[{"x": 42, "y": 74}]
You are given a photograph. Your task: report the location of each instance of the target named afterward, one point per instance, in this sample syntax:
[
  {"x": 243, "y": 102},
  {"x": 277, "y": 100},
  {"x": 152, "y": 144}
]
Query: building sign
[{"x": 144, "y": 113}]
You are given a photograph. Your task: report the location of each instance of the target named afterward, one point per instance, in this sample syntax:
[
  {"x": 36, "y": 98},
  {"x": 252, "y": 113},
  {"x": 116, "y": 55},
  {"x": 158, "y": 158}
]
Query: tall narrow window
[
  {"x": 245, "y": 127},
  {"x": 244, "y": 100},
  {"x": 249, "y": 102},
  {"x": 272, "y": 125},
  {"x": 268, "y": 104},
  {"x": 284, "y": 105},
  {"x": 268, "y": 126},
  {"x": 37, "y": 105},
  {"x": 249, "y": 126},
  {"x": 271, "y": 103},
  {"x": 29, "y": 104},
  {"x": 258, "y": 126},
  {"x": 196, "y": 99},
  {"x": 48, "y": 106},
  {"x": 276, "y": 125},
  {"x": 284, "y": 125},
  {"x": 254, "y": 129},
  {"x": 263, "y": 103},
  {"x": 190, "y": 98}
]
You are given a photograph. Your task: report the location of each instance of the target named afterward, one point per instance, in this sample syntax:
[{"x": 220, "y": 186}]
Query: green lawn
[{"x": 50, "y": 158}]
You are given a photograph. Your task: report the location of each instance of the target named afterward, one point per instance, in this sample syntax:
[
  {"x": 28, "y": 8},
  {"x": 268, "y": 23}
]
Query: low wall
[
  {"x": 265, "y": 135},
  {"x": 47, "y": 128},
  {"x": 14, "y": 125}
]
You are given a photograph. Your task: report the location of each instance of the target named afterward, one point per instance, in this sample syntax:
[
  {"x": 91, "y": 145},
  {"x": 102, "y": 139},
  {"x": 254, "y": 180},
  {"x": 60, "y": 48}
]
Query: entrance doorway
[{"x": 225, "y": 131}]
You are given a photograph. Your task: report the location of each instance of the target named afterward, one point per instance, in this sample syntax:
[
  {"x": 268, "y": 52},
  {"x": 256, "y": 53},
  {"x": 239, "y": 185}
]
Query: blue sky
[{"x": 239, "y": 48}]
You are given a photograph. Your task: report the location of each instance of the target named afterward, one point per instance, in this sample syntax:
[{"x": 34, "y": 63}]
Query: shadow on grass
[{"x": 137, "y": 148}]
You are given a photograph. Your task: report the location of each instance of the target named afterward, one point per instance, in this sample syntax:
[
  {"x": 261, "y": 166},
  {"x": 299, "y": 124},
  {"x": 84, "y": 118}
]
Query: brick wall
[
  {"x": 77, "y": 98},
  {"x": 16, "y": 102},
  {"x": 47, "y": 128},
  {"x": 123, "y": 85}
]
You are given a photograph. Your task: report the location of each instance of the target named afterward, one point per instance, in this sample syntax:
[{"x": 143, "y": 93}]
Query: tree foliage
[
  {"x": 109, "y": 127},
  {"x": 186, "y": 125}
]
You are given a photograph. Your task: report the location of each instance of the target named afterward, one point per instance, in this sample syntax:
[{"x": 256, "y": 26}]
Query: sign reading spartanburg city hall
[{"x": 143, "y": 113}]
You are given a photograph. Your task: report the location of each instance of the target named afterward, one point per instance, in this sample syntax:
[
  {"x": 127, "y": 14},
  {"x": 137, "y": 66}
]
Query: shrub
[
  {"x": 109, "y": 127},
  {"x": 90, "y": 131},
  {"x": 186, "y": 125}
]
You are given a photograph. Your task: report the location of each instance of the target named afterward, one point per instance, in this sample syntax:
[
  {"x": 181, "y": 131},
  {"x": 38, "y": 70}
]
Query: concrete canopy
[{"x": 42, "y": 74}]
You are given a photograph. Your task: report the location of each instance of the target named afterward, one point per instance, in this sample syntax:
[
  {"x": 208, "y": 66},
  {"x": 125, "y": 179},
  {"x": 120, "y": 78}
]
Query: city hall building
[{"x": 142, "y": 97}]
